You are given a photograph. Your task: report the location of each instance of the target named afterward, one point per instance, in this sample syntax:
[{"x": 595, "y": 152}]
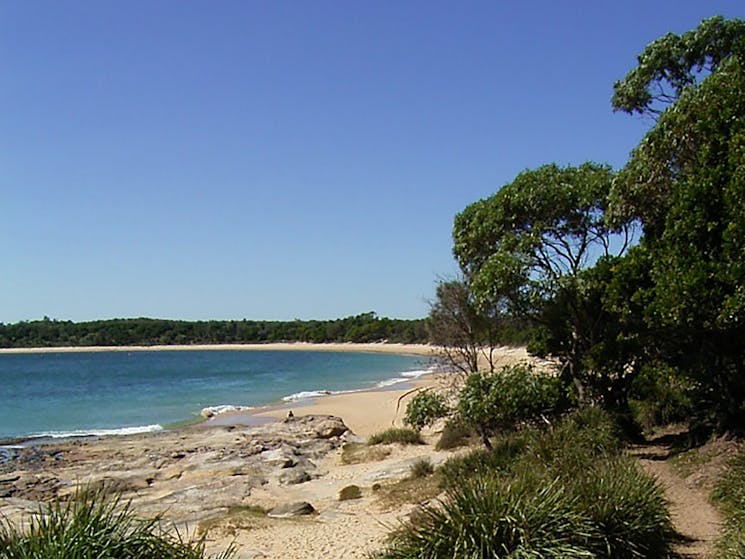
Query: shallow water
[{"x": 65, "y": 394}]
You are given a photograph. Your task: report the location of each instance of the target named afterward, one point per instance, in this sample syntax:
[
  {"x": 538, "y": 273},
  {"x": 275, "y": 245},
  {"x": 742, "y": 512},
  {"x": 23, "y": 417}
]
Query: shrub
[
  {"x": 455, "y": 434},
  {"x": 395, "y": 435},
  {"x": 425, "y": 408},
  {"x": 94, "y": 525},
  {"x": 660, "y": 396},
  {"x": 421, "y": 468},
  {"x": 350, "y": 492},
  {"x": 504, "y": 398}
]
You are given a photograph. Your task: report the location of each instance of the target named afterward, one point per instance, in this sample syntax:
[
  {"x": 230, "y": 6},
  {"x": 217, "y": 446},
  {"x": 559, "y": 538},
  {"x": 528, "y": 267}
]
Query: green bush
[
  {"x": 502, "y": 399},
  {"x": 92, "y": 525},
  {"x": 396, "y": 435},
  {"x": 661, "y": 396},
  {"x": 350, "y": 492},
  {"x": 421, "y": 468},
  {"x": 425, "y": 408},
  {"x": 455, "y": 434}
]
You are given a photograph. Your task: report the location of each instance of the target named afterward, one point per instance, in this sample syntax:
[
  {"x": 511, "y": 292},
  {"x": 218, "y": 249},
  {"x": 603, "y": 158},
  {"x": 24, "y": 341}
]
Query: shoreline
[
  {"x": 376, "y": 347},
  {"x": 252, "y": 415}
]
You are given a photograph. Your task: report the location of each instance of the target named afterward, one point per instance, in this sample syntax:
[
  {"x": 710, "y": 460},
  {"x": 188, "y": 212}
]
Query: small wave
[
  {"x": 212, "y": 411},
  {"x": 391, "y": 382},
  {"x": 304, "y": 395},
  {"x": 98, "y": 432},
  {"x": 416, "y": 374}
]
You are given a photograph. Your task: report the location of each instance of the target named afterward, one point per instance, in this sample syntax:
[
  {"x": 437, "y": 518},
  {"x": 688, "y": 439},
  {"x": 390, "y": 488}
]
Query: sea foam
[
  {"x": 98, "y": 432},
  {"x": 212, "y": 411}
]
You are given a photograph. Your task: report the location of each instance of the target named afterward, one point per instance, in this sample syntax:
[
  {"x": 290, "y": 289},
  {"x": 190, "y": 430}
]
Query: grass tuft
[
  {"x": 558, "y": 491},
  {"x": 454, "y": 435},
  {"x": 94, "y": 524},
  {"x": 421, "y": 468},
  {"x": 396, "y": 435},
  {"x": 729, "y": 494}
]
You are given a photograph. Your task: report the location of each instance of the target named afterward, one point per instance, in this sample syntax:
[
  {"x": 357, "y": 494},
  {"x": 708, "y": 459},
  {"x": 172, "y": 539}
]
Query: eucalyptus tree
[
  {"x": 685, "y": 183},
  {"x": 525, "y": 249}
]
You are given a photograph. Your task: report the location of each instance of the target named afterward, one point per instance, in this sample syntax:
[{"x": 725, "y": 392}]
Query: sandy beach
[
  {"x": 402, "y": 349},
  {"x": 212, "y": 477}
]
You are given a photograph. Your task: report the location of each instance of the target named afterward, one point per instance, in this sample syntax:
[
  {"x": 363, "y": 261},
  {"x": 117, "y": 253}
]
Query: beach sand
[
  {"x": 401, "y": 349},
  {"x": 202, "y": 477}
]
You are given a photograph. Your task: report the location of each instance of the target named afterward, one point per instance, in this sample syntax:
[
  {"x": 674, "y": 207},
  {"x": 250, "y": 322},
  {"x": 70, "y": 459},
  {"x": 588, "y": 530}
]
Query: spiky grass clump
[
  {"x": 486, "y": 519},
  {"x": 501, "y": 460},
  {"x": 729, "y": 493},
  {"x": 396, "y": 435},
  {"x": 92, "y": 525},
  {"x": 524, "y": 496},
  {"x": 628, "y": 507},
  {"x": 421, "y": 468}
]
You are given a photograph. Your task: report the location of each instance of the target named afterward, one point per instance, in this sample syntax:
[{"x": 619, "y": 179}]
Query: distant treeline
[{"x": 367, "y": 327}]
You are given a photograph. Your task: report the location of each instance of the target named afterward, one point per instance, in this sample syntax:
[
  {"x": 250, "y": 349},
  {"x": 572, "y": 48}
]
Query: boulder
[
  {"x": 293, "y": 476},
  {"x": 288, "y": 510},
  {"x": 330, "y": 427}
]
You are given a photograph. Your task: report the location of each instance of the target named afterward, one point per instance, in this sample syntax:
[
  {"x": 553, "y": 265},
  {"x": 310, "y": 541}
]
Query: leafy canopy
[
  {"x": 672, "y": 63},
  {"x": 548, "y": 223}
]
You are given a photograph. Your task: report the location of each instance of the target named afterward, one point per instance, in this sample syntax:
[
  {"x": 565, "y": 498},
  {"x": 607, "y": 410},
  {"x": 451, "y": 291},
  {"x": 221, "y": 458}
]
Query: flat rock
[{"x": 288, "y": 510}]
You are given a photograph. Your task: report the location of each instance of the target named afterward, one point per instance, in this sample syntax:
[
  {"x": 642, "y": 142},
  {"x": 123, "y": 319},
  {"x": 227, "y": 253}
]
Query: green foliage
[
  {"x": 456, "y": 433},
  {"x": 685, "y": 183},
  {"x": 729, "y": 493},
  {"x": 93, "y": 525},
  {"x": 516, "y": 245},
  {"x": 671, "y": 64},
  {"x": 486, "y": 519},
  {"x": 501, "y": 459},
  {"x": 561, "y": 491},
  {"x": 350, "y": 492},
  {"x": 504, "y": 398},
  {"x": 425, "y": 408},
  {"x": 362, "y": 328},
  {"x": 628, "y": 506},
  {"x": 396, "y": 435},
  {"x": 661, "y": 396},
  {"x": 421, "y": 468}
]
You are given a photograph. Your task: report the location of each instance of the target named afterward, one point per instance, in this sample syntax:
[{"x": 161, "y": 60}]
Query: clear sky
[{"x": 279, "y": 160}]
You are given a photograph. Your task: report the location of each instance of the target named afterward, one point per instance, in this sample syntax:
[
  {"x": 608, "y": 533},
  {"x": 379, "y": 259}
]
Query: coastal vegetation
[
  {"x": 631, "y": 283},
  {"x": 563, "y": 491},
  {"x": 362, "y": 328},
  {"x": 94, "y": 524}
]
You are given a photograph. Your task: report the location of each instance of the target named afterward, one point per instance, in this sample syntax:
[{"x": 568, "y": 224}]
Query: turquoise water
[{"x": 61, "y": 394}]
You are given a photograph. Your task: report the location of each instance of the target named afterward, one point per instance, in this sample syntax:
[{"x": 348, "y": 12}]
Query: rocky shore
[{"x": 242, "y": 484}]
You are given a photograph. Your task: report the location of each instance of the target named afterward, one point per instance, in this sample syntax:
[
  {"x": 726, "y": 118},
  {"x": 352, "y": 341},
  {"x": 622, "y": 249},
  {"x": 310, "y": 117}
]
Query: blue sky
[{"x": 280, "y": 160}]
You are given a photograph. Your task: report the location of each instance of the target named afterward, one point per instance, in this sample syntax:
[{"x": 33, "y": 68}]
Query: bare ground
[{"x": 694, "y": 517}]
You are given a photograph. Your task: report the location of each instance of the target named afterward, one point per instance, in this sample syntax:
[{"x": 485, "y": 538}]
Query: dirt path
[{"x": 693, "y": 516}]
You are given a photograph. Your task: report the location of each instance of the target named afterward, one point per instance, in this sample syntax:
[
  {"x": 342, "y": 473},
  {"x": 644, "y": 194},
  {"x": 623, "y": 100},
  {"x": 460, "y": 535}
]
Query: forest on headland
[{"x": 362, "y": 328}]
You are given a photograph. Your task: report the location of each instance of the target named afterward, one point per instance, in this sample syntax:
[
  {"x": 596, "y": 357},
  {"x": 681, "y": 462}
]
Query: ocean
[{"x": 119, "y": 392}]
